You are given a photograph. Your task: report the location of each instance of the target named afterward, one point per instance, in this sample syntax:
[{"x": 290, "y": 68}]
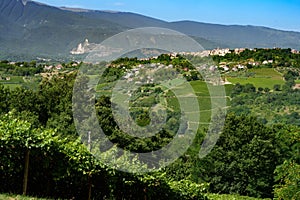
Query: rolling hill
[{"x": 30, "y": 29}]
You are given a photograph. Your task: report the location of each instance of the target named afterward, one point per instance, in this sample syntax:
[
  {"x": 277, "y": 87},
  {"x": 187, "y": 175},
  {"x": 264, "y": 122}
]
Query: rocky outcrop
[{"x": 83, "y": 48}]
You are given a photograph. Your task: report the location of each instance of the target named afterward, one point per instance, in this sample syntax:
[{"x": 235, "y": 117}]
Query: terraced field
[{"x": 206, "y": 100}]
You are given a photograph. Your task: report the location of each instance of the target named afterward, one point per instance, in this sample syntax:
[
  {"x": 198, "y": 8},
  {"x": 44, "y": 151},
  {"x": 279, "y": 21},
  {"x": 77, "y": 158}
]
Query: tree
[
  {"x": 260, "y": 89},
  {"x": 4, "y": 99},
  {"x": 237, "y": 89},
  {"x": 276, "y": 87},
  {"x": 48, "y": 163},
  {"x": 22, "y": 136},
  {"x": 266, "y": 90},
  {"x": 290, "y": 76},
  {"x": 248, "y": 88},
  {"x": 55, "y": 97},
  {"x": 288, "y": 175},
  {"x": 243, "y": 159}
]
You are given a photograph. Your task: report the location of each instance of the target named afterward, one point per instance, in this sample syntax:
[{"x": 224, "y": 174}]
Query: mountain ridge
[{"x": 34, "y": 29}]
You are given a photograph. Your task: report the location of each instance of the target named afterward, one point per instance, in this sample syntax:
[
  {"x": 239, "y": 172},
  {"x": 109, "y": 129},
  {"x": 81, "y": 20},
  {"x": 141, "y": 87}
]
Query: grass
[
  {"x": 204, "y": 100},
  {"x": 204, "y": 103},
  {"x": 30, "y": 82},
  {"x": 147, "y": 101},
  {"x": 104, "y": 89},
  {"x": 14, "y": 79},
  {"x": 14, "y": 82},
  {"x": 200, "y": 88},
  {"x": 264, "y": 77},
  {"x": 205, "y": 116}
]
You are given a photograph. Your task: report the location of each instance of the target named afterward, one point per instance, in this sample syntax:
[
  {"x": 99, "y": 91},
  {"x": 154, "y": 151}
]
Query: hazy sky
[{"x": 280, "y": 14}]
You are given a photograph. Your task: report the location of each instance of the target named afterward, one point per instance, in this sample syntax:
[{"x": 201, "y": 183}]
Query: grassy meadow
[{"x": 263, "y": 77}]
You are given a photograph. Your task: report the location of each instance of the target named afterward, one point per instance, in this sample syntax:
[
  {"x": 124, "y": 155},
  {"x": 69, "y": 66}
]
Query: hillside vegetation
[{"x": 256, "y": 156}]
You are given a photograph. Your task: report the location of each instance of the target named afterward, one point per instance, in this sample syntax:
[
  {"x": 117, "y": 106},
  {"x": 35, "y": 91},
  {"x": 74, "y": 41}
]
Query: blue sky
[{"x": 280, "y": 14}]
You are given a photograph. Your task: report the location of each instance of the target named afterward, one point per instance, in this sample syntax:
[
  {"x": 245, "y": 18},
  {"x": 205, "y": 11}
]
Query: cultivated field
[{"x": 264, "y": 77}]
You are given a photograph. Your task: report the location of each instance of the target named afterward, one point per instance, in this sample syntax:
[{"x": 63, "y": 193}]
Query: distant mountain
[
  {"x": 30, "y": 29},
  {"x": 36, "y": 29},
  {"x": 240, "y": 36}
]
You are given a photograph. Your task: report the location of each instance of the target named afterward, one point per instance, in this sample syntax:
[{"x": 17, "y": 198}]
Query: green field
[
  {"x": 206, "y": 101},
  {"x": 204, "y": 97},
  {"x": 30, "y": 82},
  {"x": 264, "y": 77},
  {"x": 14, "y": 82}
]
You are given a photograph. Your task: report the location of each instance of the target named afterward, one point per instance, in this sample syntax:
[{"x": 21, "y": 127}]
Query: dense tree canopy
[{"x": 244, "y": 158}]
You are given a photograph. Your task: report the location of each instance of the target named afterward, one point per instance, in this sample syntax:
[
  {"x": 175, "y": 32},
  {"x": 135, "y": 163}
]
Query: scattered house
[
  {"x": 8, "y": 78},
  {"x": 186, "y": 69},
  {"x": 239, "y": 50},
  {"x": 267, "y": 62},
  {"x": 173, "y": 55},
  {"x": 225, "y": 68},
  {"x": 234, "y": 69},
  {"x": 48, "y": 67},
  {"x": 201, "y": 54},
  {"x": 294, "y": 51},
  {"x": 254, "y": 63},
  {"x": 205, "y": 53},
  {"x": 59, "y": 67},
  {"x": 219, "y": 52},
  {"x": 144, "y": 59},
  {"x": 241, "y": 67}
]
